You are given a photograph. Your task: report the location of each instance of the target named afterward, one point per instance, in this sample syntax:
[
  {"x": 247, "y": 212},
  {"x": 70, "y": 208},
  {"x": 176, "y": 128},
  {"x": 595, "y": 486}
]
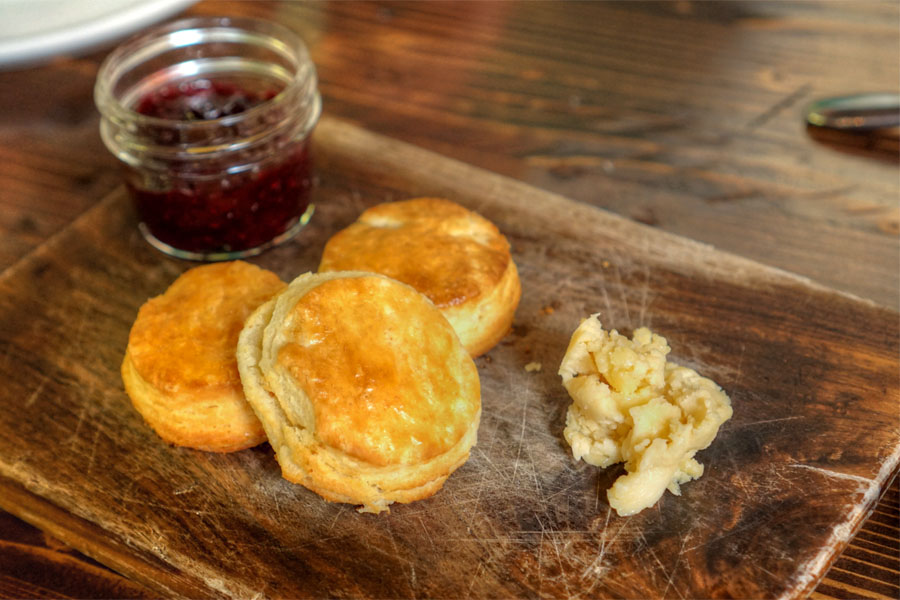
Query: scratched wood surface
[
  {"x": 682, "y": 115},
  {"x": 813, "y": 443}
]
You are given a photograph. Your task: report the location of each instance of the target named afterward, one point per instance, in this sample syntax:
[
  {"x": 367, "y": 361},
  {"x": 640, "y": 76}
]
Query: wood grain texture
[
  {"x": 813, "y": 442},
  {"x": 868, "y": 568},
  {"x": 38, "y": 565},
  {"x": 681, "y": 115}
]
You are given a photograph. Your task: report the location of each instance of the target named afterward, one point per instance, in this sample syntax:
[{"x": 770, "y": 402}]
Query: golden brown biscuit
[
  {"x": 180, "y": 369},
  {"x": 364, "y": 390},
  {"x": 456, "y": 257}
]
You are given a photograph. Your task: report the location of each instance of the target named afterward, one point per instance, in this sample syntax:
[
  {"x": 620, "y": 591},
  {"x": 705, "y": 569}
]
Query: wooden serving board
[{"x": 813, "y": 376}]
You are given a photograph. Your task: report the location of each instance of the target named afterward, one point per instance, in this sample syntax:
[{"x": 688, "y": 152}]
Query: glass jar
[{"x": 211, "y": 120}]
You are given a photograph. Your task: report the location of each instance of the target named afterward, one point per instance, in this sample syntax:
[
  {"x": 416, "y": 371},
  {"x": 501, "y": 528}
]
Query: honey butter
[{"x": 631, "y": 405}]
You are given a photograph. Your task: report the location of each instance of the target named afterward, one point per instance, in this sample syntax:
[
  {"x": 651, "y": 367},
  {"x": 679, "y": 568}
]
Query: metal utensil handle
[{"x": 857, "y": 112}]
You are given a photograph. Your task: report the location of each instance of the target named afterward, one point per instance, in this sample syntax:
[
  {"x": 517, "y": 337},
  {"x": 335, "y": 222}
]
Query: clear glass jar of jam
[{"x": 211, "y": 120}]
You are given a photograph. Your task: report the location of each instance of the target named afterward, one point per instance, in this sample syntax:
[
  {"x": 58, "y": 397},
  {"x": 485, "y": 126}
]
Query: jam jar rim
[{"x": 304, "y": 75}]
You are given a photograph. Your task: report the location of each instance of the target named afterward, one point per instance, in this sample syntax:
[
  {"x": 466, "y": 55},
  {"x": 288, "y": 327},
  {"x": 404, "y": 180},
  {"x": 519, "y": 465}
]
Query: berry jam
[
  {"x": 200, "y": 99},
  {"x": 238, "y": 201},
  {"x": 230, "y": 214}
]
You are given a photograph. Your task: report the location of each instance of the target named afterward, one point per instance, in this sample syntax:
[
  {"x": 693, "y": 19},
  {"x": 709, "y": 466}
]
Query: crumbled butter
[{"x": 631, "y": 405}]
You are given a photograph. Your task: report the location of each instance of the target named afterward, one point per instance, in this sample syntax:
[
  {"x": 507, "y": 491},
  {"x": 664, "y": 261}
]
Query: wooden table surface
[{"x": 686, "y": 116}]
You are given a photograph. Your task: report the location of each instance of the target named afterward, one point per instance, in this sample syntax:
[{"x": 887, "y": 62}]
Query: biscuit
[
  {"x": 363, "y": 388},
  {"x": 457, "y": 258},
  {"x": 180, "y": 369}
]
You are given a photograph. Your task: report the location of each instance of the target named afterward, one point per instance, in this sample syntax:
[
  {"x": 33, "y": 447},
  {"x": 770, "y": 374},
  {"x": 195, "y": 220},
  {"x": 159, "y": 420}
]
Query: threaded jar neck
[{"x": 190, "y": 62}]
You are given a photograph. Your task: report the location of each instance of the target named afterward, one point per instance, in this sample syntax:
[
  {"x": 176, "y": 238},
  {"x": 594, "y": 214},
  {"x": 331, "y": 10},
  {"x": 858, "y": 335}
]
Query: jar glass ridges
[{"x": 211, "y": 120}]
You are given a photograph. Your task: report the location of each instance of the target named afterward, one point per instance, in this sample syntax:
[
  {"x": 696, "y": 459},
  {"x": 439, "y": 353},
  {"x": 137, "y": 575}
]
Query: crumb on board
[
  {"x": 605, "y": 264},
  {"x": 547, "y": 310},
  {"x": 533, "y": 366}
]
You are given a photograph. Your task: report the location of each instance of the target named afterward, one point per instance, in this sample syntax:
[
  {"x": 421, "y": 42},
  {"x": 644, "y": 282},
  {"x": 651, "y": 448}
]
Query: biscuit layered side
[
  {"x": 180, "y": 370},
  {"x": 363, "y": 388},
  {"x": 454, "y": 256}
]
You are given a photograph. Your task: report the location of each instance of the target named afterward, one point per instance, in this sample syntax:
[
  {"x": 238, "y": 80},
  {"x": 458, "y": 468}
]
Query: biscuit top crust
[
  {"x": 185, "y": 339},
  {"x": 445, "y": 251},
  {"x": 386, "y": 377}
]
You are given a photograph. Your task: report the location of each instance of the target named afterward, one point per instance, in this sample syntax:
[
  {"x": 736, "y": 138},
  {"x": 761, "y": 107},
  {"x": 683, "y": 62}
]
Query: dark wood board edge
[
  {"x": 816, "y": 569},
  {"x": 402, "y": 161},
  {"x": 28, "y": 259},
  {"x": 97, "y": 543},
  {"x": 871, "y": 559}
]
